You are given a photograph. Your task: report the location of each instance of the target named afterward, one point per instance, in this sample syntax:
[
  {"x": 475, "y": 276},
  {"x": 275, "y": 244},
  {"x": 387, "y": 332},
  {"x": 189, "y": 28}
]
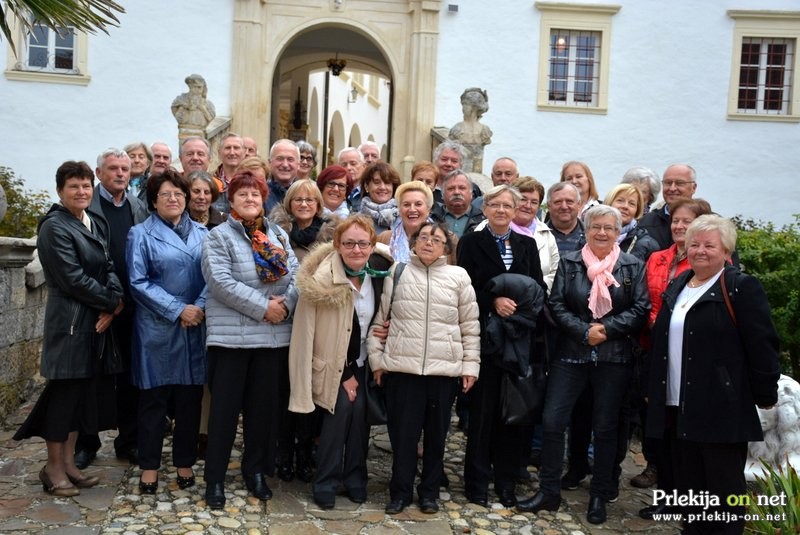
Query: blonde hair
[
  {"x": 297, "y": 188},
  {"x": 415, "y": 185},
  {"x": 626, "y": 189}
]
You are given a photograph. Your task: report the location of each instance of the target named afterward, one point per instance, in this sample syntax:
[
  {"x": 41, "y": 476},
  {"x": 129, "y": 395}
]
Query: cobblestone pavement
[{"x": 115, "y": 505}]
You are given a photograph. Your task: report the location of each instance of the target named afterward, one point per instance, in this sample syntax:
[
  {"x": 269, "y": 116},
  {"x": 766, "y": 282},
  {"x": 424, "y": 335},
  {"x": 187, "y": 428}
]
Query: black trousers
[
  {"x": 415, "y": 403},
  {"x": 153, "y": 406},
  {"x": 295, "y": 431},
  {"x": 343, "y": 441},
  {"x": 246, "y": 381},
  {"x": 580, "y": 431},
  {"x": 490, "y": 442}
]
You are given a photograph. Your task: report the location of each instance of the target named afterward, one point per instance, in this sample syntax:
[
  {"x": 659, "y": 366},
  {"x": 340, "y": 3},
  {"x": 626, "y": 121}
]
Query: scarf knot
[
  {"x": 366, "y": 270},
  {"x": 600, "y": 274},
  {"x": 271, "y": 261},
  {"x": 500, "y": 239}
]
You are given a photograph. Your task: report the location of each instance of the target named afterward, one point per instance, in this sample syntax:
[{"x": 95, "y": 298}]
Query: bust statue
[
  {"x": 193, "y": 110},
  {"x": 470, "y": 132}
]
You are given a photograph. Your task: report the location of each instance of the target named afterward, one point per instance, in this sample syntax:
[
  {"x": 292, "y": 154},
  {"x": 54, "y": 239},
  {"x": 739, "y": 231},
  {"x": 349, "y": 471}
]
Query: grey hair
[
  {"x": 558, "y": 186},
  {"x": 208, "y": 179},
  {"x": 139, "y": 145},
  {"x": 453, "y": 174},
  {"x": 496, "y": 191},
  {"x": 194, "y": 138},
  {"x": 109, "y": 152},
  {"x": 643, "y": 175},
  {"x": 711, "y": 222},
  {"x": 305, "y": 146},
  {"x": 162, "y": 143},
  {"x": 449, "y": 144},
  {"x": 693, "y": 173},
  {"x": 602, "y": 210},
  {"x": 369, "y": 144},
  {"x": 284, "y": 141},
  {"x": 350, "y": 149}
]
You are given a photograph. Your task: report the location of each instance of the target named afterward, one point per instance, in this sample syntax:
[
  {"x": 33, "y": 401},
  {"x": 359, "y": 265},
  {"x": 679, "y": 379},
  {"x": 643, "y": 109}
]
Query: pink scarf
[{"x": 599, "y": 272}]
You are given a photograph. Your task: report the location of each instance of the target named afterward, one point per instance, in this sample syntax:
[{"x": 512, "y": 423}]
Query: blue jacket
[{"x": 165, "y": 276}]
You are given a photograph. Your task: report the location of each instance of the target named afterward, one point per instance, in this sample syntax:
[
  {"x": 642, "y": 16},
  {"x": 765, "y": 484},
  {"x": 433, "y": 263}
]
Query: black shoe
[
  {"x": 428, "y": 506},
  {"x": 648, "y": 512},
  {"x": 304, "y": 472},
  {"x": 148, "y": 488},
  {"x": 507, "y": 498},
  {"x": 357, "y": 495},
  {"x": 477, "y": 499},
  {"x": 572, "y": 479},
  {"x": 395, "y": 506},
  {"x": 185, "y": 482},
  {"x": 84, "y": 458},
  {"x": 539, "y": 502},
  {"x": 130, "y": 454},
  {"x": 325, "y": 500},
  {"x": 258, "y": 487},
  {"x": 215, "y": 496},
  {"x": 597, "y": 510},
  {"x": 523, "y": 476},
  {"x": 285, "y": 472}
]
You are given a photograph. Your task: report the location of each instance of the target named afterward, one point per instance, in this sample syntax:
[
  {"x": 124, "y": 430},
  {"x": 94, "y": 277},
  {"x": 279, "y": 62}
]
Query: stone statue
[
  {"x": 781, "y": 445},
  {"x": 193, "y": 110},
  {"x": 470, "y": 132}
]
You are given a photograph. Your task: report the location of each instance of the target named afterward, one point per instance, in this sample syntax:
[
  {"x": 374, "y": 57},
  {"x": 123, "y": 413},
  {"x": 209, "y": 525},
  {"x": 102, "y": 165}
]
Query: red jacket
[{"x": 658, "y": 276}]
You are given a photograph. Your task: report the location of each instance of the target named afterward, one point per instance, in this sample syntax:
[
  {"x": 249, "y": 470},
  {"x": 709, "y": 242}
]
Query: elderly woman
[
  {"x": 715, "y": 358},
  {"x": 141, "y": 159},
  {"x": 526, "y": 222},
  {"x": 414, "y": 201},
  {"x": 379, "y": 182},
  {"x": 308, "y": 160},
  {"x": 303, "y": 218},
  {"x": 168, "y": 362},
  {"x": 648, "y": 182},
  {"x": 83, "y": 297},
  {"x": 340, "y": 287},
  {"x": 595, "y": 347},
  {"x": 579, "y": 174},
  {"x": 250, "y": 268},
  {"x": 432, "y": 351},
  {"x": 426, "y": 172},
  {"x": 335, "y": 184},
  {"x": 632, "y": 239},
  {"x": 485, "y": 254},
  {"x": 203, "y": 193}
]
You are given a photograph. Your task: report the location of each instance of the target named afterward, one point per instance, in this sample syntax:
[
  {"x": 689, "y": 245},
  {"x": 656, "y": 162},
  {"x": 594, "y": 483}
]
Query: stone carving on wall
[
  {"x": 781, "y": 445},
  {"x": 470, "y": 132},
  {"x": 193, "y": 110}
]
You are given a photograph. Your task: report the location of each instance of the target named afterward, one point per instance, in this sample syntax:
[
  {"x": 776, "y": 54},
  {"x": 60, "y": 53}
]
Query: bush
[
  {"x": 773, "y": 256},
  {"x": 25, "y": 207},
  {"x": 780, "y": 519}
]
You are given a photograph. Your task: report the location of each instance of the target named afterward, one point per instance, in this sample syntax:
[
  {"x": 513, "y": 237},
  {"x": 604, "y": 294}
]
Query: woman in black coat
[
  {"x": 714, "y": 359},
  {"x": 485, "y": 254},
  {"x": 83, "y": 295}
]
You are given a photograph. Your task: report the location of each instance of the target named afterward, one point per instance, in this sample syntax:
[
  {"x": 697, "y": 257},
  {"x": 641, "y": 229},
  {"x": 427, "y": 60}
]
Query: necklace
[{"x": 691, "y": 293}]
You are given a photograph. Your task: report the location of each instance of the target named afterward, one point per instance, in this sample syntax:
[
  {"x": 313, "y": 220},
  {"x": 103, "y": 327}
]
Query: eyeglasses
[
  {"x": 608, "y": 229},
  {"x": 336, "y": 185},
  {"x": 350, "y": 244},
  {"x": 306, "y": 158},
  {"x": 432, "y": 239},
  {"x": 304, "y": 200},
  {"x": 172, "y": 195},
  {"x": 676, "y": 183},
  {"x": 529, "y": 201},
  {"x": 500, "y": 206}
]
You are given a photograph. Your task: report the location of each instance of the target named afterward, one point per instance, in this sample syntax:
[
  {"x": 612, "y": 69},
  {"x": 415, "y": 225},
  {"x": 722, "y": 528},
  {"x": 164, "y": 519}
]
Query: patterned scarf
[
  {"x": 600, "y": 273},
  {"x": 382, "y": 214},
  {"x": 271, "y": 261},
  {"x": 500, "y": 239},
  {"x": 366, "y": 270}
]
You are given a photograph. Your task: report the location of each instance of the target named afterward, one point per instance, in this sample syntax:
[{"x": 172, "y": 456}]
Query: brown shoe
[
  {"x": 647, "y": 478},
  {"x": 64, "y": 488},
  {"x": 85, "y": 482}
]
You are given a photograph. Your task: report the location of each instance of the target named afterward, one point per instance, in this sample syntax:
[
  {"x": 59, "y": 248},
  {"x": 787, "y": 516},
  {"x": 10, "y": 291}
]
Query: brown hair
[{"x": 359, "y": 220}]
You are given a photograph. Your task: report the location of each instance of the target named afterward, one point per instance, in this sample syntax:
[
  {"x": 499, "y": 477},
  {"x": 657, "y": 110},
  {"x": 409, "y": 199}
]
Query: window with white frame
[
  {"x": 574, "y": 56},
  {"x": 764, "y": 76},
  {"x": 51, "y": 50}
]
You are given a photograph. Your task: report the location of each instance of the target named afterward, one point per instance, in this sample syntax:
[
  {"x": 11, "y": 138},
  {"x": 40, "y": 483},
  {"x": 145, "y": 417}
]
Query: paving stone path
[{"x": 115, "y": 505}]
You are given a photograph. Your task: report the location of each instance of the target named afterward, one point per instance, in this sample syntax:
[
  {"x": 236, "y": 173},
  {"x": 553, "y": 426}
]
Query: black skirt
[{"x": 67, "y": 405}]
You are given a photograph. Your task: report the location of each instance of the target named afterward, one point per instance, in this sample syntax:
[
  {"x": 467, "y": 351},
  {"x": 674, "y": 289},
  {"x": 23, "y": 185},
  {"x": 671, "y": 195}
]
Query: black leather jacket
[
  {"x": 80, "y": 284},
  {"x": 569, "y": 305}
]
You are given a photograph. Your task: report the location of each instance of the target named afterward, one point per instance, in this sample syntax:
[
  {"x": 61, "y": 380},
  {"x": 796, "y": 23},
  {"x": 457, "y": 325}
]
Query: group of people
[{"x": 184, "y": 299}]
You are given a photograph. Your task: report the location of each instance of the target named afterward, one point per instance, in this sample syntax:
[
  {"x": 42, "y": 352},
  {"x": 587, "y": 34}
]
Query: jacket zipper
[
  {"x": 74, "y": 319},
  {"x": 427, "y": 312}
]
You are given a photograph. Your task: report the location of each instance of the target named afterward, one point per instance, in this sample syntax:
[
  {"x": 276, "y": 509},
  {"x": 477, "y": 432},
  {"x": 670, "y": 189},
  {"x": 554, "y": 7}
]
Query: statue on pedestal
[
  {"x": 470, "y": 132},
  {"x": 193, "y": 110}
]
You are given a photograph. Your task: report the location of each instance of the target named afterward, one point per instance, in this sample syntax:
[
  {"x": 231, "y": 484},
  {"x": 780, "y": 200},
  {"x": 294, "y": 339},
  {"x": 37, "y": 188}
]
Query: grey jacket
[{"x": 237, "y": 298}]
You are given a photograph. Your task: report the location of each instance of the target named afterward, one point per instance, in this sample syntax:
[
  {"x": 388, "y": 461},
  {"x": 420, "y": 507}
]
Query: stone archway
[{"x": 401, "y": 38}]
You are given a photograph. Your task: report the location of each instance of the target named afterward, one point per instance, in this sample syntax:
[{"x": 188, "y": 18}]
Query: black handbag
[
  {"x": 522, "y": 397},
  {"x": 375, "y": 398}
]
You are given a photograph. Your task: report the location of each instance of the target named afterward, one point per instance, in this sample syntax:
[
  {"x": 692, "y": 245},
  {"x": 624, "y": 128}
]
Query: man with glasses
[
  {"x": 284, "y": 157},
  {"x": 679, "y": 180},
  {"x": 457, "y": 210}
]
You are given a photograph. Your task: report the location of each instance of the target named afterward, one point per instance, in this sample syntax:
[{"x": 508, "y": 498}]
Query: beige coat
[
  {"x": 321, "y": 329},
  {"x": 434, "y": 328}
]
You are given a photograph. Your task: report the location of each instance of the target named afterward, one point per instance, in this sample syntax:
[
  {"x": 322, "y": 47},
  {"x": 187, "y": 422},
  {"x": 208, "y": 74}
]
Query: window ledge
[
  {"x": 374, "y": 101},
  {"x": 48, "y": 77},
  {"x": 764, "y": 117},
  {"x": 573, "y": 109}
]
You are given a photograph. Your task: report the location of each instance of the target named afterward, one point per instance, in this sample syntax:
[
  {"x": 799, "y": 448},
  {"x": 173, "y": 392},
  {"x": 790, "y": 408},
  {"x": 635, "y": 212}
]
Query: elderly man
[
  {"x": 457, "y": 210},
  {"x": 646, "y": 180},
  {"x": 353, "y": 161},
  {"x": 231, "y": 154},
  {"x": 284, "y": 157},
  {"x": 504, "y": 171},
  {"x": 121, "y": 211},
  {"x": 563, "y": 204},
  {"x": 162, "y": 158},
  {"x": 194, "y": 154},
  {"x": 680, "y": 180},
  {"x": 370, "y": 151},
  {"x": 250, "y": 147}
]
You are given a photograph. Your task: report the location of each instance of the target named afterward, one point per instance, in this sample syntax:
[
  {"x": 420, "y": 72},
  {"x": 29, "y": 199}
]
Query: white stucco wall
[
  {"x": 136, "y": 72},
  {"x": 669, "y": 77}
]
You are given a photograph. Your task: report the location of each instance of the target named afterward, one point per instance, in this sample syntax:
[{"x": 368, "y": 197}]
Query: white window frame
[
  {"x": 579, "y": 18},
  {"x": 765, "y": 27},
  {"x": 17, "y": 67}
]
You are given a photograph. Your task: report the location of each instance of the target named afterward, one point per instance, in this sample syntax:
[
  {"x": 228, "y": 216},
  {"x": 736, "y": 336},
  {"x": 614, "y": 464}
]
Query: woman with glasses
[
  {"x": 432, "y": 351},
  {"x": 340, "y": 286},
  {"x": 168, "y": 362},
  {"x": 308, "y": 160},
  {"x": 485, "y": 254},
  {"x": 335, "y": 184}
]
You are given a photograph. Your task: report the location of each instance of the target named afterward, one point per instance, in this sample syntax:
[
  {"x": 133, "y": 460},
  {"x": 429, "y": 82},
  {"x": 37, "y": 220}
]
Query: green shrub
[
  {"x": 773, "y": 256},
  {"x": 783, "y": 518},
  {"x": 24, "y": 206}
]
